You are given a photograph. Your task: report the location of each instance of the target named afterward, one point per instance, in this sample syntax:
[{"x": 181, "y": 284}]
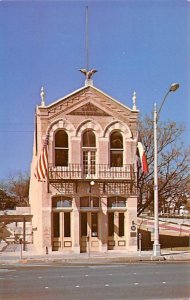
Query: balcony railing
[{"x": 99, "y": 171}]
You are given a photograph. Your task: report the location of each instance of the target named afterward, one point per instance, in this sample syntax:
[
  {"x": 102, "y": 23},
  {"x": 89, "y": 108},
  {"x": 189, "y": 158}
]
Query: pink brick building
[{"x": 88, "y": 201}]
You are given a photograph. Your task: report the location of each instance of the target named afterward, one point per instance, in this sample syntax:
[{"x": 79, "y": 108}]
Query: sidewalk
[{"x": 31, "y": 256}]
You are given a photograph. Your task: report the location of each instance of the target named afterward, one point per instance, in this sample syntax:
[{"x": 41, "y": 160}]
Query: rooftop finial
[
  {"x": 134, "y": 98},
  {"x": 88, "y": 75},
  {"x": 42, "y": 95}
]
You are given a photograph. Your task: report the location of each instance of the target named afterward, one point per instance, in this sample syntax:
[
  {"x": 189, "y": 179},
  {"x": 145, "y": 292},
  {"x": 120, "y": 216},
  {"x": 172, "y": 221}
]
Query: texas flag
[{"x": 143, "y": 159}]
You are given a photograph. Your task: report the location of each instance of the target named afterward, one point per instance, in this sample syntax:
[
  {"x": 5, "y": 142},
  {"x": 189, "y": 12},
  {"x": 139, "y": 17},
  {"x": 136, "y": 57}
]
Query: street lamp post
[{"x": 156, "y": 245}]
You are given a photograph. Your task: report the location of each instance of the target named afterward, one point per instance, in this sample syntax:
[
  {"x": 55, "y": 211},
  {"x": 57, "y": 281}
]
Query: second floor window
[
  {"x": 116, "y": 149},
  {"x": 61, "y": 148},
  {"x": 89, "y": 139},
  {"x": 89, "y": 152}
]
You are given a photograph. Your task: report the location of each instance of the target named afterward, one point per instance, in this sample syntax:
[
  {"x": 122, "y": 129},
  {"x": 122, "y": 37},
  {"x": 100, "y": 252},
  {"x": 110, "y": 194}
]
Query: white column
[
  {"x": 75, "y": 225},
  {"x": 103, "y": 225}
]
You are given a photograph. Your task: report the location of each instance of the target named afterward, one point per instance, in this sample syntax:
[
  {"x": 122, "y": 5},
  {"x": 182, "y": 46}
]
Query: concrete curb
[
  {"x": 96, "y": 260},
  {"x": 31, "y": 257}
]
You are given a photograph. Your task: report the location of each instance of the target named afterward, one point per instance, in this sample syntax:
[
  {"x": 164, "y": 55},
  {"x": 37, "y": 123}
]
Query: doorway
[
  {"x": 61, "y": 223},
  {"x": 89, "y": 231}
]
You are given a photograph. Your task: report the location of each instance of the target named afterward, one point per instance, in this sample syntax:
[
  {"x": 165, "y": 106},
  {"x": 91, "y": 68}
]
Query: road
[{"x": 119, "y": 281}]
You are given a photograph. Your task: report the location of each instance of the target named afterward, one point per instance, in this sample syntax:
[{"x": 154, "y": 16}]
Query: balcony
[{"x": 98, "y": 172}]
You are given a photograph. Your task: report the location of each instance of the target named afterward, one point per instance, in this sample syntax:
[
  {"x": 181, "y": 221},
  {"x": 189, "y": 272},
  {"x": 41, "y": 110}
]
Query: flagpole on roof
[
  {"x": 88, "y": 73},
  {"x": 86, "y": 38}
]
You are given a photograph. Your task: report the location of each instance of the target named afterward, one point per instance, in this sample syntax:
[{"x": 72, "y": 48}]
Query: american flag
[{"x": 42, "y": 164}]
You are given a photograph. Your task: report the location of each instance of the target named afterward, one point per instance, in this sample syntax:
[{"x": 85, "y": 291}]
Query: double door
[
  {"x": 116, "y": 230},
  {"x": 61, "y": 230},
  {"x": 89, "y": 231}
]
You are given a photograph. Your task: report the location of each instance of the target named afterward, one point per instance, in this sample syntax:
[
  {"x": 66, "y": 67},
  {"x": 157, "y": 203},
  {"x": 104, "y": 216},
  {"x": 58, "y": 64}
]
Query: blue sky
[{"x": 134, "y": 45}]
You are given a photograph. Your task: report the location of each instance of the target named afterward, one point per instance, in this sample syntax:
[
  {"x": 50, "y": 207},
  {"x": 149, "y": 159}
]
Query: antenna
[{"x": 87, "y": 50}]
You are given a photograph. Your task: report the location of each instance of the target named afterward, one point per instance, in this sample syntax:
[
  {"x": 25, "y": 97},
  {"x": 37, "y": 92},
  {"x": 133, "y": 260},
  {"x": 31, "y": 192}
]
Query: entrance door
[
  {"x": 61, "y": 223},
  {"x": 89, "y": 240},
  {"x": 62, "y": 230},
  {"x": 116, "y": 230}
]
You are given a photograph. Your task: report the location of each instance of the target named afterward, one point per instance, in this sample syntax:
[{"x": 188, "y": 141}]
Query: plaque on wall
[{"x": 133, "y": 234}]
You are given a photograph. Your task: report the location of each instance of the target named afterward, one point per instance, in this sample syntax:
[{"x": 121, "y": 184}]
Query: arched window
[
  {"x": 116, "y": 149},
  {"x": 61, "y": 148},
  {"x": 89, "y": 139},
  {"x": 89, "y": 152}
]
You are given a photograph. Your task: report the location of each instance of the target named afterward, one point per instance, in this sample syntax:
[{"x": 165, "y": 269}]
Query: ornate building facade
[{"x": 88, "y": 200}]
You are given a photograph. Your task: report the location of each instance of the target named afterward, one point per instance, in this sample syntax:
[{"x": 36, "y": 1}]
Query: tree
[
  {"x": 19, "y": 187},
  {"x": 14, "y": 191},
  {"x": 6, "y": 201},
  {"x": 173, "y": 167}
]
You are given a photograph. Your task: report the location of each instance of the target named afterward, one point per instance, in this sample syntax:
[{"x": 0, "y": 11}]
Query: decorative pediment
[
  {"x": 88, "y": 101},
  {"x": 89, "y": 109}
]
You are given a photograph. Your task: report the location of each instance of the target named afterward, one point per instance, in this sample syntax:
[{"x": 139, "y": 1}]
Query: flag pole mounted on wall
[{"x": 42, "y": 164}]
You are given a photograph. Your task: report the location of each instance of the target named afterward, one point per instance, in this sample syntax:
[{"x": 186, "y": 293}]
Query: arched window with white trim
[
  {"x": 61, "y": 148},
  {"x": 116, "y": 149}
]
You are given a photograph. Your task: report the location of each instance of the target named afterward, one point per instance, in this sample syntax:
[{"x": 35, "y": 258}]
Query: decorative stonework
[
  {"x": 64, "y": 104},
  {"x": 117, "y": 188},
  {"x": 64, "y": 187},
  {"x": 61, "y": 124},
  {"x": 88, "y": 94},
  {"x": 116, "y": 125},
  {"x": 92, "y": 124},
  {"x": 89, "y": 109}
]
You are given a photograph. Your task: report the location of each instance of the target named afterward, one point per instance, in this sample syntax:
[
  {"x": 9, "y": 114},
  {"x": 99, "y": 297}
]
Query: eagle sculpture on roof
[{"x": 88, "y": 74}]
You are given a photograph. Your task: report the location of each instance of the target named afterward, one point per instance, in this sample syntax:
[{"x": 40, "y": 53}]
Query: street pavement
[
  {"x": 91, "y": 282},
  {"x": 28, "y": 275}
]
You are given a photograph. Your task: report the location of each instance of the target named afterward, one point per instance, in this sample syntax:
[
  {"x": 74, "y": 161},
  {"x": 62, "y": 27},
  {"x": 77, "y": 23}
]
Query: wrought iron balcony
[{"x": 98, "y": 171}]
